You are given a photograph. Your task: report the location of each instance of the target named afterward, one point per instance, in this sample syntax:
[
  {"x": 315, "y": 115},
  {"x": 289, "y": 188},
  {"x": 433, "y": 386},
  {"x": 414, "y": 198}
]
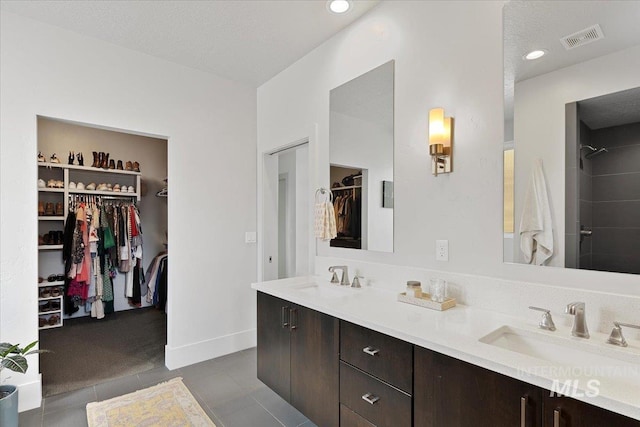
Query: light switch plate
[
  {"x": 442, "y": 250},
  {"x": 250, "y": 237}
]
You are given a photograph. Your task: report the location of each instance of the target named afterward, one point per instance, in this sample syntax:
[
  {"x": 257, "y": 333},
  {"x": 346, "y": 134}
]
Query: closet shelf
[
  {"x": 47, "y": 284},
  {"x": 49, "y": 247},
  {"x": 49, "y": 299},
  {"x": 57, "y": 325},
  {"x": 51, "y": 218},
  {"x": 51, "y": 190},
  {"x": 42, "y": 313},
  {"x": 88, "y": 168},
  {"x": 349, "y": 187},
  {"x": 104, "y": 193}
]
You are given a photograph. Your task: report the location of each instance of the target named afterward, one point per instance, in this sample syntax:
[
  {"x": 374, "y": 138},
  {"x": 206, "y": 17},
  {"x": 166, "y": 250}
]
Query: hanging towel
[
  {"x": 324, "y": 220},
  {"x": 536, "y": 225}
]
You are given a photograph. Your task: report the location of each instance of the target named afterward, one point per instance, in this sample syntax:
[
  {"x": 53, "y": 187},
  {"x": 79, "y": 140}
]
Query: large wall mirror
[
  {"x": 572, "y": 134},
  {"x": 361, "y": 160}
]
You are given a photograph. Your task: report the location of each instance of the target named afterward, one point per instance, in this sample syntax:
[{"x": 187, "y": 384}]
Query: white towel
[
  {"x": 536, "y": 224},
  {"x": 325, "y": 221}
]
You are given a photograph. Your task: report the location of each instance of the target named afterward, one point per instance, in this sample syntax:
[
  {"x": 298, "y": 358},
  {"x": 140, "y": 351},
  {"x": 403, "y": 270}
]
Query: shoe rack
[{"x": 50, "y": 261}]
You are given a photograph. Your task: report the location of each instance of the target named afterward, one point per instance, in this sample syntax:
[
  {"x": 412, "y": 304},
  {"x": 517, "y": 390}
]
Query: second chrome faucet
[{"x": 579, "y": 329}]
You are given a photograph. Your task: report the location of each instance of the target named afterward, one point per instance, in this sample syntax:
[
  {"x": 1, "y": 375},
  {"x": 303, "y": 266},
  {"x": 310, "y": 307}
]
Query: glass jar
[{"x": 414, "y": 289}]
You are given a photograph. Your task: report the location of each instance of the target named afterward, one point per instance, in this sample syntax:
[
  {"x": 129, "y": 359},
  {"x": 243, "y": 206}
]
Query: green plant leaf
[
  {"x": 6, "y": 349},
  {"x": 16, "y": 363},
  {"x": 29, "y": 347}
]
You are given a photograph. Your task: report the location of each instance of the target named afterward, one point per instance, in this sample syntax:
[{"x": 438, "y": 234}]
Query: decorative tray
[{"x": 425, "y": 301}]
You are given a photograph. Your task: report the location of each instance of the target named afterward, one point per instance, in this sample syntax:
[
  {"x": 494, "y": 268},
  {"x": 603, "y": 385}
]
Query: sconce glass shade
[{"x": 436, "y": 126}]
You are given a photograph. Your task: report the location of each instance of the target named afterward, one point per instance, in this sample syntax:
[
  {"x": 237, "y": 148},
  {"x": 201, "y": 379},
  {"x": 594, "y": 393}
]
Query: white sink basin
[
  {"x": 325, "y": 291},
  {"x": 585, "y": 358}
]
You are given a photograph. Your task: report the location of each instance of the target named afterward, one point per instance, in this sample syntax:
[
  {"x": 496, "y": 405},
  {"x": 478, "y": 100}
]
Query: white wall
[
  {"x": 287, "y": 168},
  {"x": 210, "y": 125},
  {"x": 448, "y": 54},
  {"x": 539, "y": 126}
]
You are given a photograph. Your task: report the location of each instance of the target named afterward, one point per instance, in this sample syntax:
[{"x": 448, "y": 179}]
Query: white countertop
[{"x": 456, "y": 333}]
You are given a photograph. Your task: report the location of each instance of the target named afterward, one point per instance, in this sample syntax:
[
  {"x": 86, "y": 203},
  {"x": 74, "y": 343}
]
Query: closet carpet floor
[
  {"x": 87, "y": 351},
  {"x": 226, "y": 388}
]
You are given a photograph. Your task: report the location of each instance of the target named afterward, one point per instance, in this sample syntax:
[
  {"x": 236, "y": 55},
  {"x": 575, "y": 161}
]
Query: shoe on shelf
[
  {"x": 109, "y": 187},
  {"x": 51, "y": 183},
  {"x": 42, "y": 322},
  {"x": 101, "y": 187},
  {"x": 128, "y": 166},
  {"x": 112, "y": 164},
  {"x": 59, "y": 184},
  {"x": 54, "y": 305},
  {"x": 116, "y": 188},
  {"x": 72, "y": 185},
  {"x": 54, "y": 320},
  {"x": 91, "y": 186},
  {"x": 59, "y": 277},
  {"x": 41, "y": 183},
  {"x": 40, "y": 279},
  {"x": 54, "y": 158},
  {"x": 40, "y": 241},
  {"x": 45, "y": 293},
  {"x": 41, "y": 158},
  {"x": 95, "y": 163},
  {"x": 119, "y": 167},
  {"x": 80, "y": 159},
  {"x": 43, "y": 308},
  {"x": 40, "y": 208},
  {"x": 46, "y": 239},
  {"x": 72, "y": 157},
  {"x": 136, "y": 167},
  {"x": 59, "y": 209},
  {"x": 48, "y": 210},
  {"x": 55, "y": 291},
  {"x": 59, "y": 241},
  {"x": 80, "y": 186},
  {"x": 104, "y": 164}
]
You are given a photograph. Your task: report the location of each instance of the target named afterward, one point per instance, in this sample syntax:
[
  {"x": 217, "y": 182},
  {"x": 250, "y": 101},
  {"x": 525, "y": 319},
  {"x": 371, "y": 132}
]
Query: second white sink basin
[
  {"x": 581, "y": 357},
  {"x": 324, "y": 291}
]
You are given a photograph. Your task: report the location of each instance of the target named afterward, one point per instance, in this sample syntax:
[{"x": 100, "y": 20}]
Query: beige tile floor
[{"x": 226, "y": 388}]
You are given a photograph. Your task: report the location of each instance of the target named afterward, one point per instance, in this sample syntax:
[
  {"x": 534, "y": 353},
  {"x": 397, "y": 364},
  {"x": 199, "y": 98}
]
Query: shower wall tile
[
  {"x": 617, "y": 136},
  {"x": 570, "y": 251},
  {"x": 571, "y": 198},
  {"x": 616, "y": 187},
  {"x": 585, "y": 186},
  {"x": 617, "y": 241},
  {"x": 616, "y": 263},
  {"x": 618, "y": 160},
  {"x": 585, "y": 246},
  {"x": 586, "y": 213},
  {"x": 616, "y": 214},
  {"x": 585, "y": 262}
]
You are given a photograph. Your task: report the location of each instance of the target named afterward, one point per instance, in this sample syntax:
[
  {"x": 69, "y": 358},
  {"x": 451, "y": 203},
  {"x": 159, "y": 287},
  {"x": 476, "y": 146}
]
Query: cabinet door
[
  {"x": 314, "y": 366},
  {"x": 274, "y": 344},
  {"x": 449, "y": 392},
  {"x": 567, "y": 412}
]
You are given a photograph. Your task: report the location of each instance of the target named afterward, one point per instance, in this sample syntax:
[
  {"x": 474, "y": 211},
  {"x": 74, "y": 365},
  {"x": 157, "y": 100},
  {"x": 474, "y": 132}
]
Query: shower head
[
  {"x": 589, "y": 147},
  {"x": 596, "y": 152}
]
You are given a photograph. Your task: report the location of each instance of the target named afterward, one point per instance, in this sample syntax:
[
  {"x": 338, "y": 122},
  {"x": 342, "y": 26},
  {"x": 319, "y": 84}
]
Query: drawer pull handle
[
  {"x": 370, "y": 398},
  {"x": 556, "y": 417},
  {"x": 284, "y": 316},
  {"x": 523, "y": 411},
  {"x": 371, "y": 351}
]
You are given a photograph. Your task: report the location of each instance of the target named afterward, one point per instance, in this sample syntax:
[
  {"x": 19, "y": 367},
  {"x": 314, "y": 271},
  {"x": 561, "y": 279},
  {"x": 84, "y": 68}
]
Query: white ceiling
[
  {"x": 245, "y": 41},
  {"x": 530, "y": 25},
  {"x": 615, "y": 109}
]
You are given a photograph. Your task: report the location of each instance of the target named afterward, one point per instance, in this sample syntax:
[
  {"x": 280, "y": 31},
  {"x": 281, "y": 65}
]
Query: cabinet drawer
[
  {"x": 386, "y": 405},
  {"x": 348, "y": 418},
  {"x": 382, "y": 356}
]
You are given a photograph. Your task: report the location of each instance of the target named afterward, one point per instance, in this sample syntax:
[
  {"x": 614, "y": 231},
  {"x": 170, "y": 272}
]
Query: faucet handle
[
  {"x": 334, "y": 278},
  {"x": 547, "y": 321},
  {"x": 616, "y": 337},
  {"x": 356, "y": 281}
]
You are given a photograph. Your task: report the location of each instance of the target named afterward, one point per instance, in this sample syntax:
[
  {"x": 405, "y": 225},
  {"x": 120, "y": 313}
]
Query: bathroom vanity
[{"x": 349, "y": 357}]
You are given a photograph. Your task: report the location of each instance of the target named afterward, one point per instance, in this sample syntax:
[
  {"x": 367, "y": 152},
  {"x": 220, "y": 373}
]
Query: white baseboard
[
  {"x": 30, "y": 395},
  {"x": 177, "y": 357}
]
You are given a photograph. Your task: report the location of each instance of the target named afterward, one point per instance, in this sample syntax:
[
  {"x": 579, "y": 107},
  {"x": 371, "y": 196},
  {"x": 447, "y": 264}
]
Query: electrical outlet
[{"x": 442, "y": 250}]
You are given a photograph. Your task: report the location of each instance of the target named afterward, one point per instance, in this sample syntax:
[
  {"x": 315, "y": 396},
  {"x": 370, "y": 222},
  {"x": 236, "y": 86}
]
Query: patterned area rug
[{"x": 165, "y": 404}]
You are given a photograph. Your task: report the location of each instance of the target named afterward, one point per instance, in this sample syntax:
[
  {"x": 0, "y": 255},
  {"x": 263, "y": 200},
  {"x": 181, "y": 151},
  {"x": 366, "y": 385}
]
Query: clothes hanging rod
[{"x": 293, "y": 147}]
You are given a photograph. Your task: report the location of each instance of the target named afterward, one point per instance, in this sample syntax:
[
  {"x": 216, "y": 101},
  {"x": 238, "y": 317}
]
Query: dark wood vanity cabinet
[
  {"x": 298, "y": 357},
  {"x": 453, "y": 393},
  {"x": 341, "y": 374},
  {"x": 567, "y": 412},
  {"x": 376, "y": 378}
]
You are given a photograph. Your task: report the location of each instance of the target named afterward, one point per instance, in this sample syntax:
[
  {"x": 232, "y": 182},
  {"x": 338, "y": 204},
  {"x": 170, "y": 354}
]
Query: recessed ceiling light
[
  {"x": 534, "y": 54},
  {"x": 338, "y": 6}
]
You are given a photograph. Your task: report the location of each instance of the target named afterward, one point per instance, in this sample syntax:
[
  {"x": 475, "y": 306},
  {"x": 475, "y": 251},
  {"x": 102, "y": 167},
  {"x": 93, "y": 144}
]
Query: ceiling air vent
[{"x": 582, "y": 37}]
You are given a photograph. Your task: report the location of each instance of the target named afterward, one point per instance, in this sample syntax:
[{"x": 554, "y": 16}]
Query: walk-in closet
[{"x": 102, "y": 253}]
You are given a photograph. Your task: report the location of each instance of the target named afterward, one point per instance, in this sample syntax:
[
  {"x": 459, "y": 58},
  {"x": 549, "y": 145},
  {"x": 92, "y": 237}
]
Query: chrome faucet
[
  {"x": 345, "y": 274},
  {"x": 580, "y": 322}
]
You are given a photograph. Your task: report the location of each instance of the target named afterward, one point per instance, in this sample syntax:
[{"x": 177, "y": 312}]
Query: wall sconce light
[{"x": 440, "y": 141}]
